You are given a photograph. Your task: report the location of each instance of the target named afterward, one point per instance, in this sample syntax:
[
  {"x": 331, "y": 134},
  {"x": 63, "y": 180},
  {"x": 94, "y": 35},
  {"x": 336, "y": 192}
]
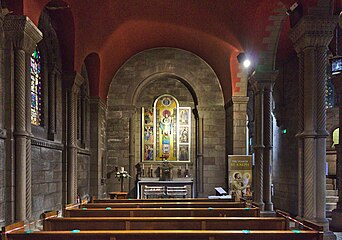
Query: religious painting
[
  {"x": 183, "y": 134},
  {"x": 166, "y": 118},
  {"x": 166, "y": 131},
  {"x": 184, "y": 153},
  {"x": 148, "y": 152},
  {"x": 240, "y": 176},
  {"x": 184, "y": 114}
]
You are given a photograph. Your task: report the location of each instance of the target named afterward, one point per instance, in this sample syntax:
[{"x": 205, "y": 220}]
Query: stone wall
[
  {"x": 46, "y": 180},
  {"x": 146, "y": 76},
  {"x": 285, "y": 161},
  {"x": 2, "y": 183},
  {"x": 83, "y": 174}
]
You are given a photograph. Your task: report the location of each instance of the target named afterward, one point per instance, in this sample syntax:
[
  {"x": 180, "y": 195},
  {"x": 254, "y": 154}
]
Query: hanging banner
[{"x": 240, "y": 176}]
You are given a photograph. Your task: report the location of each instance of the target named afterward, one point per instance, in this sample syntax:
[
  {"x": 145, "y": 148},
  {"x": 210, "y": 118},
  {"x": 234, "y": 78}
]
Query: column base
[
  {"x": 336, "y": 223},
  {"x": 261, "y": 205},
  {"x": 268, "y": 206},
  {"x": 329, "y": 236}
]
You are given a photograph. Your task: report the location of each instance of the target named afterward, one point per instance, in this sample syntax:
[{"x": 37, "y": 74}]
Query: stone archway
[{"x": 186, "y": 76}]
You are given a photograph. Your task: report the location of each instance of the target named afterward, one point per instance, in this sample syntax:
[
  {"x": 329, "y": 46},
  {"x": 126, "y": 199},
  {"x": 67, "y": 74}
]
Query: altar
[{"x": 154, "y": 188}]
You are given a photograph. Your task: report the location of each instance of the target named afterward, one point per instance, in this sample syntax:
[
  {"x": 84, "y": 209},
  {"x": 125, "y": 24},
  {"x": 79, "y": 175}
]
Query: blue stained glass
[{"x": 36, "y": 94}]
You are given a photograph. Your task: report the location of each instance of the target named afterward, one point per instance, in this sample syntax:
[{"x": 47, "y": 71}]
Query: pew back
[
  {"x": 167, "y": 205},
  {"x": 168, "y": 235},
  {"x": 163, "y": 212},
  {"x": 165, "y": 223}
]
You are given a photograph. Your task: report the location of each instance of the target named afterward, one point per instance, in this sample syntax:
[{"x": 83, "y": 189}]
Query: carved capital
[
  {"x": 313, "y": 31},
  {"x": 73, "y": 81},
  {"x": 21, "y": 33},
  {"x": 263, "y": 80}
]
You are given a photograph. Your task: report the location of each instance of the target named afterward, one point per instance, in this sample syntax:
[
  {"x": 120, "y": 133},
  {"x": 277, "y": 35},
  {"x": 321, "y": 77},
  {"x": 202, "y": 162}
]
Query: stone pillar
[
  {"x": 97, "y": 146},
  {"x": 262, "y": 83},
  {"x": 311, "y": 37},
  {"x": 268, "y": 141},
  {"x": 239, "y": 134},
  {"x": 259, "y": 147},
  {"x": 73, "y": 82},
  {"x": 337, "y": 213},
  {"x": 53, "y": 76},
  {"x": 300, "y": 142},
  {"x": 131, "y": 160},
  {"x": 22, "y": 36},
  {"x": 199, "y": 156}
]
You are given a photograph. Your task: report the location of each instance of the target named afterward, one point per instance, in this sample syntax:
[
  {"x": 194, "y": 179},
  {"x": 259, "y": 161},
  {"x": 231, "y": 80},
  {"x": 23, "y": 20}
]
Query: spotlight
[{"x": 242, "y": 58}]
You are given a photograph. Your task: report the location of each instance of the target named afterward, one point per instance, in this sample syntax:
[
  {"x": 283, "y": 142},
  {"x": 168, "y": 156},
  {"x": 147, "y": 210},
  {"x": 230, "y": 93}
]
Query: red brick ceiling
[{"x": 115, "y": 30}]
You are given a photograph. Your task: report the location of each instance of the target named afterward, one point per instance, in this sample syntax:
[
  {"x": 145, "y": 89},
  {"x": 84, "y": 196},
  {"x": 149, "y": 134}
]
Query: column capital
[
  {"x": 313, "y": 31},
  {"x": 72, "y": 80},
  {"x": 21, "y": 33},
  {"x": 263, "y": 80}
]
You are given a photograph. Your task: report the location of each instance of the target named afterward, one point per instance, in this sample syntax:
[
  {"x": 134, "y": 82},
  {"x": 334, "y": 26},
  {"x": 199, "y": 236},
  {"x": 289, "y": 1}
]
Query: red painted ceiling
[{"x": 115, "y": 30}]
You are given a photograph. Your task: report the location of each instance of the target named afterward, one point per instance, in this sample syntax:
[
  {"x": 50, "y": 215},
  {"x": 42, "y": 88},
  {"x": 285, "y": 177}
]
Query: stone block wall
[
  {"x": 148, "y": 75},
  {"x": 46, "y": 180},
  {"x": 285, "y": 160},
  {"x": 2, "y": 182},
  {"x": 83, "y": 174}
]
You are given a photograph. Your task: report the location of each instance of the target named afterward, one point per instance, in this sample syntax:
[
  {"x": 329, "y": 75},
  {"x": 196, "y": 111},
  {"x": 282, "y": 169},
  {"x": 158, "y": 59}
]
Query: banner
[{"x": 240, "y": 176}]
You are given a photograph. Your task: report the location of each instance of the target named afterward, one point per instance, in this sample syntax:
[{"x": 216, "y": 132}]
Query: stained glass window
[{"x": 36, "y": 89}]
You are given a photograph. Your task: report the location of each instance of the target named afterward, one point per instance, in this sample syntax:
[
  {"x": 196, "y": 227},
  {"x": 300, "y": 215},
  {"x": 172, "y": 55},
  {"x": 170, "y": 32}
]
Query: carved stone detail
[{"x": 21, "y": 33}]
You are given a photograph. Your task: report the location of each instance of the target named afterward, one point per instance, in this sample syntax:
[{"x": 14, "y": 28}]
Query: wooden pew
[
  {"x": 167, "y": 205},
  {"x": 162, "y": 212},
  {"x": 107, "y": 200},
  {"x": 165, "y": 223},
  {"x": 166, "y": 235}
]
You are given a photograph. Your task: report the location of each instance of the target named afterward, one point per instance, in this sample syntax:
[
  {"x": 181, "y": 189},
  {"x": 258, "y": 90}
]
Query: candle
[
  {"x": 143, "y": 166},
  {"x": 122, "y": 169},
  {"x": 151, "y": 166},
  {"x": 186, "y": 166}
]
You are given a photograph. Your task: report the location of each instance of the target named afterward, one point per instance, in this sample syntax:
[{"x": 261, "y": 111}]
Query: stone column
[
  {"x": 97, "y": 146},
  {"x": 73, "y": 82},
  {"x": 259, "y": 147},
  {"x": 268, "y": 140},
  {"x": 22, "y": 35},
  {"x": 337, "y": 213},
  {"x": 300, "y": 142},
  {"x": 239, "y": 105},
  {"x": 262, "y": 83},
  {"x": 311, "y": 37},
  {"x": 131, "y": 160},
  {"x": 53, "y": 76}
]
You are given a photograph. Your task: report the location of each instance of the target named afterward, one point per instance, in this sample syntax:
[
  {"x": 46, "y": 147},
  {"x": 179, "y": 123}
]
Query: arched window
[{"x": 36, "y": 89}]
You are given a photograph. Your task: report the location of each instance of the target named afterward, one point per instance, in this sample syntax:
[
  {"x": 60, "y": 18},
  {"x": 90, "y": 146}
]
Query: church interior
[{"x": 161, "y": 98}]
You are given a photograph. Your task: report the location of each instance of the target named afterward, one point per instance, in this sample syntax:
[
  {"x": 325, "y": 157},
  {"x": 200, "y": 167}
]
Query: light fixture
[{"x": 242, "y": 58}]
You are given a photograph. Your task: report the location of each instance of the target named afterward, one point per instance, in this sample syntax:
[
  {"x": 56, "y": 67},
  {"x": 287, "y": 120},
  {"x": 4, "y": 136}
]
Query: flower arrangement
[{"x": 121, "y": 175}]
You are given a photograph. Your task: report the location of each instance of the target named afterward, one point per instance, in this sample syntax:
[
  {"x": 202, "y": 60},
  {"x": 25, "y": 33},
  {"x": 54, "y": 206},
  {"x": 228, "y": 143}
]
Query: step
[
  {"x": 329, "y": 181},
  {"x": 331, "y": 192},
  {"x": 329, "y": 186},
  {"x": 330, "y": 206},
  {"x": 331, "y": 199}
]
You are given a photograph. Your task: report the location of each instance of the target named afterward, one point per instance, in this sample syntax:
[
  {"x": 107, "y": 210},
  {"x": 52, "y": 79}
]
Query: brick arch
[
  {"x": 270, "y": 40},
  {"x": 193, "y": 71}
]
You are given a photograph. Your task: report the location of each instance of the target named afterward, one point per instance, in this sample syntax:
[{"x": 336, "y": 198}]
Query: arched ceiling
[{"x": 118, "y": 29}]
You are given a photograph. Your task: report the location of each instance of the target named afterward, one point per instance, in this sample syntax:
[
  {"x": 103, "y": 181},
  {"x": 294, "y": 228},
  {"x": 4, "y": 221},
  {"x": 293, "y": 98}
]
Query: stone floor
[{"x": 338, "y": 235}]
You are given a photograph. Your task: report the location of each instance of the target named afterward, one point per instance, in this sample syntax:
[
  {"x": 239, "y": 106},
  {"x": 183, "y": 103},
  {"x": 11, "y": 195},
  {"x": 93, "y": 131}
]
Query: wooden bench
[
  {"x": 162, "y": 212},
  {"x": 167, "y": 205},
  {"x": 94, "y": 200},
  {"x": 165, "y": 223},
  {"x": 165, "y": 235}
]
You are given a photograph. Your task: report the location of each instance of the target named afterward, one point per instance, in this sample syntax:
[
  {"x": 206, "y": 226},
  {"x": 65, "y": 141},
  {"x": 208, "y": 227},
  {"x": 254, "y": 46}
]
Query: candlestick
[
  {"x": 186, "y": 166},
  {"x": 122, "y": 169},
  {"x": 143, "y": 166},
  {"x": 151, "y": 166}
]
